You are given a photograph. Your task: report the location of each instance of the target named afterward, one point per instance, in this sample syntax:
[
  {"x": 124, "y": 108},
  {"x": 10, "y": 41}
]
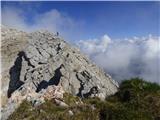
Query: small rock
[
  {"x": 93, "y": 107},
  {"x": 70, "y": 113},
  {"x": 60, "y": 103},
  {"x": 54, "y": 92}
]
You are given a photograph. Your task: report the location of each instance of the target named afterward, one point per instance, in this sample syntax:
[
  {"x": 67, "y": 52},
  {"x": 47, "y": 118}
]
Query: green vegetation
[{"x": 135, "y": 100}]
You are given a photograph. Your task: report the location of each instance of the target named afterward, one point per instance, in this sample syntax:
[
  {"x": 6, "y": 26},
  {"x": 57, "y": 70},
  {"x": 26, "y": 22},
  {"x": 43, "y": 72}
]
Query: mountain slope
[
  {"x": 34, "y": 61},
  {"x": 135, "y": 100}
]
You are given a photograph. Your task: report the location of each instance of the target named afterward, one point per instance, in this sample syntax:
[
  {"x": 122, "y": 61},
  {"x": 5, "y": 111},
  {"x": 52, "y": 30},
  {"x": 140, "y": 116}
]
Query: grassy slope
[{"x": 135, "y": 100}]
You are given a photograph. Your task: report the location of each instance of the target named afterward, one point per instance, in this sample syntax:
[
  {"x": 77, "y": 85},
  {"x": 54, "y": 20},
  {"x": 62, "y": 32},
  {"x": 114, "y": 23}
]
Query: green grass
[{"x": 135, "y": 100}]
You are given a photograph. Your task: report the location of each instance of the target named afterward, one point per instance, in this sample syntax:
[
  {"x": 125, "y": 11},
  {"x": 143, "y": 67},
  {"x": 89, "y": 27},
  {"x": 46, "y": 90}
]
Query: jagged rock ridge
[{"x": 42, "y": 59}]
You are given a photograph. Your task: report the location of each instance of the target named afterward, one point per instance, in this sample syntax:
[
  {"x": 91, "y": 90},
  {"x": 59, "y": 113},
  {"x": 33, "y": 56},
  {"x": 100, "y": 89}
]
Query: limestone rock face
[
  {"x": 12, "y": 42},
  {"x": 38, "y": 60}
]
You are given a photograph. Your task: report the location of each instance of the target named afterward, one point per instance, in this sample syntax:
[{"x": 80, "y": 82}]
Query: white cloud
[
  {"x": 94, "y": 46},
  {"x": 14, "y": 18},
  {"x": 51, "y": 20},
  {"x": 123, "y": 59}
]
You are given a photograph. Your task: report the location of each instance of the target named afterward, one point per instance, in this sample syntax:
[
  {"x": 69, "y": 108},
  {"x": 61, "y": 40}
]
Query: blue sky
[
  {"x": 116, "y": 19},
  {"x": 99, "y": 29}
]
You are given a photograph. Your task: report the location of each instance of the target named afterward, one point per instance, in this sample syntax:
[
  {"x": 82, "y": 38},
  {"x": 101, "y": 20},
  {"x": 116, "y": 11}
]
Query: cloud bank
[{"x": 123, "y": 59}]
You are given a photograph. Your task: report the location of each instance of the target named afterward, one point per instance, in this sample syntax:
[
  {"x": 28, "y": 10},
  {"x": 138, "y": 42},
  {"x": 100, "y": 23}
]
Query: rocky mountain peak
[{"x": 33, "y": 62}]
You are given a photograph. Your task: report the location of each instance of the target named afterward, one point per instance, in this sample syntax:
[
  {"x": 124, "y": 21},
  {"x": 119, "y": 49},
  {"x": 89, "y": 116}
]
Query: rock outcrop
[
  {"x": 33, "y": 62},
  {"x": 12, "y": 42}
]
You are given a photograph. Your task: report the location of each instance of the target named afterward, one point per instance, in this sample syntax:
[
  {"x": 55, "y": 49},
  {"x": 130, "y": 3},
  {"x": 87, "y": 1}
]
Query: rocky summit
[{"x": 41, "y": 65}]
